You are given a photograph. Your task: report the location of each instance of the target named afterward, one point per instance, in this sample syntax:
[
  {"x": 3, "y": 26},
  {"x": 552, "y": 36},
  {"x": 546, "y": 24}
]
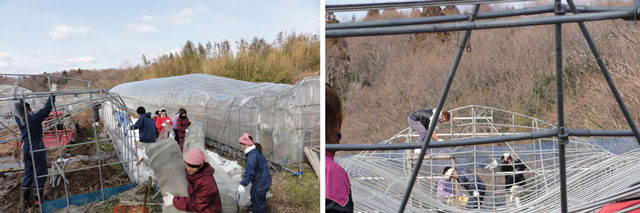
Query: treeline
[{"x": 287, "y": 59}]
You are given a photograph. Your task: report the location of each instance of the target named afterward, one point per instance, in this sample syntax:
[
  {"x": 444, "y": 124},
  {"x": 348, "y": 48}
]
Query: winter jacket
[
  {"x": 469, "y": 181},
  {"x": 148, "y": 131},
  {"x": 160, "y": 120},
  {"x": 35, "y": 127},
  {"x": 337, "y": 187},
  {"x": 203, "y": 193},
  {"x": 510, "y": 179},
  {"x": 256, "y": 171},
  {"x": 423, "y": 115},
  {"x": 446, "y": 188},
  {"x": 182, "y": 125}
]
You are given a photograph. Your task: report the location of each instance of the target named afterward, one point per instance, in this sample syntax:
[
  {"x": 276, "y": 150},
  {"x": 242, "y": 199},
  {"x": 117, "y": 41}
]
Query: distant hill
[{"x": 381, "y": 79}]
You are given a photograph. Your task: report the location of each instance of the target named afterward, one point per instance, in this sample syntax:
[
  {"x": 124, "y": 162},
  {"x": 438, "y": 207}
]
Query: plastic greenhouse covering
[{"x": 282, "y": 118}]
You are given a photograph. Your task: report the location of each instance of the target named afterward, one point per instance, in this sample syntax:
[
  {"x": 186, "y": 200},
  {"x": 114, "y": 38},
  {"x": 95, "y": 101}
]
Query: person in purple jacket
[{"x": 445, "y": 185}]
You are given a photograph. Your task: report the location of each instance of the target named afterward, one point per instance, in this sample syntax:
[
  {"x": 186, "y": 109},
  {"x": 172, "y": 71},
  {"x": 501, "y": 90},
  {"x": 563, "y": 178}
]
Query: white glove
[
  {"x": 164, "y": 125},
  {"x": 440, "y": 140},
  {"x": 476, "y": 194},
  {"x": 186, "y": 130},
  {"x": 168, "y": 199},
  {"x": 167, "y": 121},
  {"x": 240, "y": 189}
]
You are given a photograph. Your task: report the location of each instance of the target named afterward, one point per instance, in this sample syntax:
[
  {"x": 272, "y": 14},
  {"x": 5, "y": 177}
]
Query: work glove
[
  {"x": 440, "y": 140},
  {"x": 476, "y": 193},
  {"x": 167, "y": 199},
  {"x": 240, "y": 189}
]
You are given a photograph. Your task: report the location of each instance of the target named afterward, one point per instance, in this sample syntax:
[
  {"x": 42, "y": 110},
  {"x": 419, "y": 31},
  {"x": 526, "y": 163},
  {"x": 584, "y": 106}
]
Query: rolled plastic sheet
[{"x": 282, "y": 118}]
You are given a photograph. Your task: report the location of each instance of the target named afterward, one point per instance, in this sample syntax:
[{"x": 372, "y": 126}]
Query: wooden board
[{"x": 314, "y": 159}]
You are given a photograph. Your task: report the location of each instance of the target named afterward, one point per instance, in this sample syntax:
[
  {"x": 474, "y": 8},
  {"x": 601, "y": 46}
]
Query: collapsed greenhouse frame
[
  {"x": 438, "y": 24},
  {"x": 89, "y": 97}
]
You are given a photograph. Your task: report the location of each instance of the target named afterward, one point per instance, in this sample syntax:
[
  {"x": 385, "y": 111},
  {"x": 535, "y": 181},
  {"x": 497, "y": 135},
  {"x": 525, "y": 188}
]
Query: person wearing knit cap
[
  {"x": 256, "y": 172},
  {"x": 204, "y": 195}
]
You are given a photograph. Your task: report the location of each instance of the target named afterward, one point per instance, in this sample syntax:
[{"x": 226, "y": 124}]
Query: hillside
[{"x": 382, "y": 79}]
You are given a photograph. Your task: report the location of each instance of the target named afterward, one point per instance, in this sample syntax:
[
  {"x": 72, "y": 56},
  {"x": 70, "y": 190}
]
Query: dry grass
[{"x": 382, "y": 79}]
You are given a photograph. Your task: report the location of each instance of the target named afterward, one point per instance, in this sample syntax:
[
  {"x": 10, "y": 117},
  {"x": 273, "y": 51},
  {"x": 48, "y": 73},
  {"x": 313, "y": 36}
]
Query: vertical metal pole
[
  {"x": 443, "y": 96},
  {"x": 562, "y": 134},
  {"x": 35, "y": 173},
  {"x": 95, "y": 138},
  {"x": 55, "y": 111},
  {"x": 605, "y": 72}
]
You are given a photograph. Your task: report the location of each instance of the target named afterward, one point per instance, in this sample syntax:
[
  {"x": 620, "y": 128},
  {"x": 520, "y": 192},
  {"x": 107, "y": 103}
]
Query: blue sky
[
  {"x": 347, "y": 16},
  {"x": 48, "y": 36}
]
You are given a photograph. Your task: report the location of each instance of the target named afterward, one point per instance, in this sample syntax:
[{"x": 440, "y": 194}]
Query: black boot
[
  {"x": 25, "y": 198},
  {"x": 41, "y": 194}
]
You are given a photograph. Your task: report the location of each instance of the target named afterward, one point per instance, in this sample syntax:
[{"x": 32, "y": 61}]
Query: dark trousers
[
  {"x": 258, "y": 200},
  {"x": 40, "y": 161}
]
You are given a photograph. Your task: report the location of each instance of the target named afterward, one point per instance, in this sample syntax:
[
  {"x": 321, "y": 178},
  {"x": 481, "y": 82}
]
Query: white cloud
[
  {"x": 4, "y": 56},
  {"x": 64, "y": 31},
  {"x": 203, "y": 8},
  {"x": 140, "y": 28},
  {"x": 182, "y": 17},
  {"x": 147, "y": 18},
  {"x": 86, "y": 59}
]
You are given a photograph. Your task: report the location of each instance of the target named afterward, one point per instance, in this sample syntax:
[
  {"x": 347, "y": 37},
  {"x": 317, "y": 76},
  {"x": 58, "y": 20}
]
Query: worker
[
  {"x": 256, "y": 172},
  {"x": 148, "y": 131},
  {"x": 30, "y": 125},
  {"x": 162, "y": 122},
  {"x": 419, "y": 121},
  {"x": 508, "y": 165},
  {"x": 446, "y": 188},
  {"x": 182, "y": 123},
  {"x": 155, "y": 116},
  {"x": 475, "y": 187},
  {"x": 96, "y": 114},
  {"x": 337, "y": 186},
  {"x": 204, "y": 195}
]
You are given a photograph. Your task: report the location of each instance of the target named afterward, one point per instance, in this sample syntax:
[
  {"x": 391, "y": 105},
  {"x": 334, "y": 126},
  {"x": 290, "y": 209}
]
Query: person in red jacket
[
  {"x": 163, "y": 121},
  {"x": 182, "y": 123},
  {"x": 203, "y": 190}
]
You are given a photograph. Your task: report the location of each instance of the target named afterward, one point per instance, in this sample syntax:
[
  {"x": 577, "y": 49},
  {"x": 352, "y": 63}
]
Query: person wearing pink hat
[
  {"x": 203, "y": 190},
  {"x": 256, "y": 172}
]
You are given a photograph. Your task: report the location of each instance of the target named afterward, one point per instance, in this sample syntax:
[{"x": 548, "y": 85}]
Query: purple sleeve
[{"x": 442, "y": 192}]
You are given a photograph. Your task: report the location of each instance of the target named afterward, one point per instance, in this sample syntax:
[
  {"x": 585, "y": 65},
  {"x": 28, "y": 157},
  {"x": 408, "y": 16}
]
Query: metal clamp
[{"x": 563, "y": 132}]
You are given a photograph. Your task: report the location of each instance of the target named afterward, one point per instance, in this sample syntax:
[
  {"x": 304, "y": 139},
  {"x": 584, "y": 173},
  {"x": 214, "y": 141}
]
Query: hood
[
  {"x": 18, "y": 109},
  {"x": 148, "y": 115}
]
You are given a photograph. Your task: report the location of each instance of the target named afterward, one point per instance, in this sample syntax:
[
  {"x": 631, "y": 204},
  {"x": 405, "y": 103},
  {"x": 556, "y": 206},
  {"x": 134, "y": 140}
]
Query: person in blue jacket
[
  {"x": 148, "y": 132},
  {"x": 30, "y": 125},
  {"x": 256, "y": 172}
]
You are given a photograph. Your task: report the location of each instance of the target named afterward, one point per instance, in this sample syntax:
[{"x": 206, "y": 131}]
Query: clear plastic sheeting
[
  {"x": 167, "y": 164},
  {"x": 283, "y": 118}
]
